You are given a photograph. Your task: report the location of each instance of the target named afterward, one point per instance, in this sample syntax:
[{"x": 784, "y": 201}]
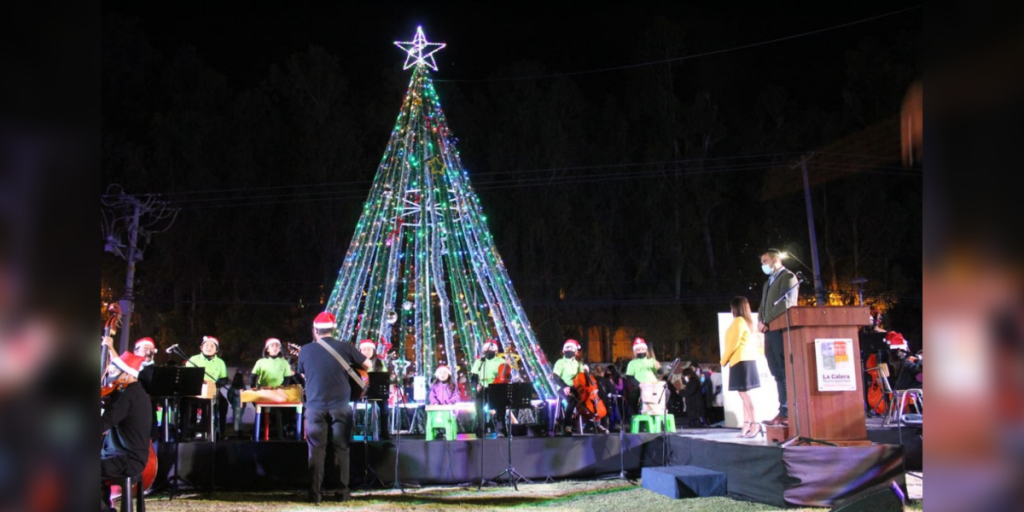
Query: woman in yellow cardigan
[{"x": 742, "y": 349}]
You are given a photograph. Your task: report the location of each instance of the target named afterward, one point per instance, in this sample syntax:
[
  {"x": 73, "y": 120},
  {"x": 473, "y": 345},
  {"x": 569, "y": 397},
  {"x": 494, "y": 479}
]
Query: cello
[
  {"x": 588, "y": 403},
  {"x": 106, "y": 394}
]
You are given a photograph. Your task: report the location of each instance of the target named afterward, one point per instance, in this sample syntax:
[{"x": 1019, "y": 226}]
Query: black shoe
[
  {"x": 314, "y": 497},
  {"x": 341, "y": 496}
]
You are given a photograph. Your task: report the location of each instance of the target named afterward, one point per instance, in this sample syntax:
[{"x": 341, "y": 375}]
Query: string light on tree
[{"x": 422, "y": 257}]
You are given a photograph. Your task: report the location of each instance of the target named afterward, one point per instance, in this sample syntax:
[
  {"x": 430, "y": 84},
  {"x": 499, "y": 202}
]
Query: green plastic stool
[
  {"x": 653, "y": 427},
  {"x": 442, "y": 419}
]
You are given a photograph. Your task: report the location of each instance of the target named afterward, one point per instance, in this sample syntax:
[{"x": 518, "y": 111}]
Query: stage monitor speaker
[{"x": 883, "y": 500}]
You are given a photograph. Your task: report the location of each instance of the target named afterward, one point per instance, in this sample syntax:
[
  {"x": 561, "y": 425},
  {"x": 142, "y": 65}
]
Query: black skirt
[{"x": 743, "y": 376}]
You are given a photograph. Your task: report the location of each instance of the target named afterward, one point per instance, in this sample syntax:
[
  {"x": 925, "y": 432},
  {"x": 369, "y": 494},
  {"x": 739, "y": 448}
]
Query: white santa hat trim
[
  {"x": 211, "y": 338},
  {"x": 367, "y": 342},
  {"x": 491, "y": 345},
  {"x": 639, "y": 343},
  {"x": 271, "y": 340},
  {"x": 442, "y": 369},
  {"x": 571, "y": 345}
]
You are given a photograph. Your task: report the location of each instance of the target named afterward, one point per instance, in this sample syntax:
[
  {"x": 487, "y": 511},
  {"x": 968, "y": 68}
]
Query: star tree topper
[{"x": 415, "y": 48}]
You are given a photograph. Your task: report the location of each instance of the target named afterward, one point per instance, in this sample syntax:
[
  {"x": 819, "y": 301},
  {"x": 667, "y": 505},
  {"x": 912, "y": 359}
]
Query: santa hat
[
  {"x": 128, "y": 363},
  {"x": 324, "y": 320},
  {"x": 145, "y": 342},
  {"x": 571, "y": 344},
  {"x": 367, "y": 342},
  {"x": 491, "y": 345},
  {"x": 211, "y": 338},
  {"x": 896, "y": 341},
  {"x": 269, "y": 341},
  {"x": 639, "y": 343},
  {"x": 442, "y": 369}
]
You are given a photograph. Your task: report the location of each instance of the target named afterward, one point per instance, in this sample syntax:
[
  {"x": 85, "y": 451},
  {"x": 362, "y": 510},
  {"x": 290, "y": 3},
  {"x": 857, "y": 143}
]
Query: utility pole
[
  {"x": 140, "y": 217},
  {"x": 819, "y": 291}
]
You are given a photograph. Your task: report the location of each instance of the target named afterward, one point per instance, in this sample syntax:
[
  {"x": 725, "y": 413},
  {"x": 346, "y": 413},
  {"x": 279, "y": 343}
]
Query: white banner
[
  {"x": 835, "y": 365},
  {"x": 765, "y": 398}
]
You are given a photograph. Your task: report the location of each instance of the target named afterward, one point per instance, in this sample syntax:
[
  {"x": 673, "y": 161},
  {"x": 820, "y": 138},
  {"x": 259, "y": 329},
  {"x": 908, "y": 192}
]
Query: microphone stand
[
  {"x": 797, "y": 438},
  {"x": 622, "y": 443}
]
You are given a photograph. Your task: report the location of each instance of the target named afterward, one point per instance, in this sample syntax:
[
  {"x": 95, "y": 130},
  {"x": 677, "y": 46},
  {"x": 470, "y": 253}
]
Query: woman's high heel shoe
[
  {"x": 753, "y": 433},
  {"x": 743, "y": 431}
]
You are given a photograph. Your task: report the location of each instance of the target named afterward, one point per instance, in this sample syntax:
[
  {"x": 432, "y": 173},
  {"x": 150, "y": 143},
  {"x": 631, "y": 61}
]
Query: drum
[
  {"x": 209, "y": 390},
  {"x": 653, "y": 397}
]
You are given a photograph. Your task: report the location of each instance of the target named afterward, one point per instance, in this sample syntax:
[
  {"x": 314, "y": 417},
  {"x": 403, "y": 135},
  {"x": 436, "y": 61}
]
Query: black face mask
[
  {"x": 641, "y": 356},
  {"x": 490, "y": 354},
  {"x": 569, "y": 354}
]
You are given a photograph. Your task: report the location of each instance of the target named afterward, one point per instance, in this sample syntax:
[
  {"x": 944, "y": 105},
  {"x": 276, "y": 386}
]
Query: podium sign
[{"x": 835, "y": 365}]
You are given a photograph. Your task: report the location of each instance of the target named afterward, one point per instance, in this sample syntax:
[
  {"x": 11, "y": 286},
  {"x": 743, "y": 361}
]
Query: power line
[{"x": 688, "y": 57}]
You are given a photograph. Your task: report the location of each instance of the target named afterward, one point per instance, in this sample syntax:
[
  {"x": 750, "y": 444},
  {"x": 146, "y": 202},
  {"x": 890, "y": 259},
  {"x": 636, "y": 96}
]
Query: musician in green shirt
[
  {"x": 217, "y": 372},
  {"x": 483, "y": 373},
  {"x": 642, "y": 370},
  {"x": 566, "y": 369},
  {"x": 271, "y": 371}
]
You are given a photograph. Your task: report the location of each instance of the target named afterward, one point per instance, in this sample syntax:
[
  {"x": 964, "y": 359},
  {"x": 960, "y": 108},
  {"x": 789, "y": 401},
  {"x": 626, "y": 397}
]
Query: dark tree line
[{"x": 637, "y": 205}]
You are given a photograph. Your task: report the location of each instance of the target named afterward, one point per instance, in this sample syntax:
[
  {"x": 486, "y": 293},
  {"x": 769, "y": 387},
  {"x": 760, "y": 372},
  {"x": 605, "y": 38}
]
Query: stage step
[{"x": 684, "y": 481}]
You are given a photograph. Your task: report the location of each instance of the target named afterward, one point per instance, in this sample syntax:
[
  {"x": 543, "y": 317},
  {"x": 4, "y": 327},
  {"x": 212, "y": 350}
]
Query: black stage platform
[{"x": 756, "y": 470}]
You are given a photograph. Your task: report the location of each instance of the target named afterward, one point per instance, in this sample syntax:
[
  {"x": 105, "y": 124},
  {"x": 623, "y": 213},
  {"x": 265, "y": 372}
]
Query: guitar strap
[{"x": 355, "y": 376}]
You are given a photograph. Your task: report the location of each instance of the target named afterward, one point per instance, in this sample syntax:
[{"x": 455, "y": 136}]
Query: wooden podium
[{"x": 832, "y": 416}]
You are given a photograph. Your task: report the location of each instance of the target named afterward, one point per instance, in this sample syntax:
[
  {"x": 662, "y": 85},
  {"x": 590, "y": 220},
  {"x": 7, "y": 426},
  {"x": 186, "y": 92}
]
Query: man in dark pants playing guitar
[{"x": 328, "y": 411}]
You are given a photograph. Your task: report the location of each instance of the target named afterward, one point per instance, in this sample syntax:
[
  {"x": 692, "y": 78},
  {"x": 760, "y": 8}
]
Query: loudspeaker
[{"x": 884, "y": 500}]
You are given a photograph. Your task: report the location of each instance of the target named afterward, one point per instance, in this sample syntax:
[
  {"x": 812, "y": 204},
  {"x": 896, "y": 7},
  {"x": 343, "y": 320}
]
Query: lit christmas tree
[{"x": 422, "y": 273}]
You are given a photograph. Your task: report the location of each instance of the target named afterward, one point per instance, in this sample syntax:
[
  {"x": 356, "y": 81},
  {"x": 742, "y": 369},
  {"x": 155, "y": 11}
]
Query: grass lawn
[{"x": 581, "y": 496}]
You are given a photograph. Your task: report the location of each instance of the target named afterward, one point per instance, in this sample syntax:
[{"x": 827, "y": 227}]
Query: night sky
[
  {"x": 243, "y": 40},
  {"x": 242, "y": 268}
]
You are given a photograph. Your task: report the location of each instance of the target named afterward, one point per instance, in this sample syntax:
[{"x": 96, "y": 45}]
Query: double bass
[
  {"x": 508, "y": 371},
  {"x": 588, "y": 403},
  {"x": 106, "y": 392}
]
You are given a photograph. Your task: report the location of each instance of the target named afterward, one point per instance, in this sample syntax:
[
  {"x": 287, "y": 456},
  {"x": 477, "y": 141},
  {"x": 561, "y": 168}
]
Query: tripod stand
[
  {"x": 396, "y": 412},
  {"x": 797, "y": 438},
  {"x": 622, "y": 442},
  {"x": 513, "y": 395},
  {"x": 664, "y": 413}
]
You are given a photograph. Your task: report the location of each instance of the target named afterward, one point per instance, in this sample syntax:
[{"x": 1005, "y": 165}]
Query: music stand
[
  {"x": 377, "y": 390},
  {"x": 174, "y": 382},
  {"x": 512, "y": 396}
]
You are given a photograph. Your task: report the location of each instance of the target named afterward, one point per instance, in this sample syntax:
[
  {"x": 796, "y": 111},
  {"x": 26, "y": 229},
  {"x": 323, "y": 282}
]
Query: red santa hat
[
  {"x": 571, "y": 344},
  {"x": 128, "y": 363},
  {"x": 639, "y": 343},
  {"x": 324, "y": 320},
  {"x": 271, "y": 340},
  {"x": 370, "y": 343},
  {"x": 211, "y": 338},
  {"x": 442, "y": 369},
  {"x": 145, "y": 342},
  {"x": 491, "y": 345},
  {"x": 896, "y": 341}
]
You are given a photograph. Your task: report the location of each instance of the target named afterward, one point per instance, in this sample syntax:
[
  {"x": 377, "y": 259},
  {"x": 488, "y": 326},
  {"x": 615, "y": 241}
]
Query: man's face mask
[
  {"x": 489, "y": 354},
  {"x": 569, "y": 354},
  {"x": 641, "y": 355}
]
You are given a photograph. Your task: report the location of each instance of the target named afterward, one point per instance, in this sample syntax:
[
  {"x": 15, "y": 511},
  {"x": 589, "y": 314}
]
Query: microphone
[
  {"x": 172, "y": 348},
  {"x": 800, "y": 277}
]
